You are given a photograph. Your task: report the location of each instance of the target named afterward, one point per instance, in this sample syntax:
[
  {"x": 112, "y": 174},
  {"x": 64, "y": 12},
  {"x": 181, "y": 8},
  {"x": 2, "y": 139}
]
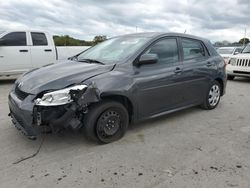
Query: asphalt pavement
[{"x": 191, "y": 148}]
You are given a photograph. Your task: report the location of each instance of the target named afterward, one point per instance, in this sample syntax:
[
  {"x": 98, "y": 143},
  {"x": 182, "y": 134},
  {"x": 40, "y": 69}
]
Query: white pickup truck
[{"x": 21, "y": 51}]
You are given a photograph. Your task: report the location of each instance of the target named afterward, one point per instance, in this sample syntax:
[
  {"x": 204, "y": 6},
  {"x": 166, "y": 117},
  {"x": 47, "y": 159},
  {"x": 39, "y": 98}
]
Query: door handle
[
  {"x": 209, "y": 64},
  {"x": 48, "y": 50},
  {"x": 177, "y": 70},
  {"x": 23, "y": 50},
  {"x": 1, "y": 56}
]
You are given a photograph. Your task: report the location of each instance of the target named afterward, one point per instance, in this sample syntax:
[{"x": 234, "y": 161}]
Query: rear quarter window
[{"x": 212, "y": 51}]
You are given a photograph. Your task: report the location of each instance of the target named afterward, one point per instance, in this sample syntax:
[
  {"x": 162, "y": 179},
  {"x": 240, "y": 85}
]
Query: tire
[
  {"x": 230, "y": 77},
  {"x": 106, "y": 121},
  {"x": 213, "y": 95}
]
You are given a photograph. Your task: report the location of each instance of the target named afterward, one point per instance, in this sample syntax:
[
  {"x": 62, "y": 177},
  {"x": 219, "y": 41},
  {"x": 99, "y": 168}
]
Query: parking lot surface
[{"x": 191, "y": 148}]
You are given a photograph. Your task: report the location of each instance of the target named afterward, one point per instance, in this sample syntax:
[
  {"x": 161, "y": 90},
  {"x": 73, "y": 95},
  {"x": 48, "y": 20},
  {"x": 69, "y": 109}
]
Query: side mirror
[
  {"x": 235, "y": 53},
  {"x": 148, "y": 59}
]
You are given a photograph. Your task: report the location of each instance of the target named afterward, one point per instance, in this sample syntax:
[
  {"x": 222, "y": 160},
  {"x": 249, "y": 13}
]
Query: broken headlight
[{"x": 59, "y": 97}]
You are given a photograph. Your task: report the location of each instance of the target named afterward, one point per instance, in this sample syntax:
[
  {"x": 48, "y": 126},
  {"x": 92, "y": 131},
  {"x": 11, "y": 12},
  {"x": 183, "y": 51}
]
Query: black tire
[
  {"x": 230, "y": 77},
  {"x": 208, "y": 103},
  {"x": 106, "y": 121}
]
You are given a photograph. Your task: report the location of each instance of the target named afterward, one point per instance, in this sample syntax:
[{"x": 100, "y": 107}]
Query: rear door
[
  {"x": 196, "y": 70},
  {"x": 42, "y": 49},
  {"x": 14, "y": 53}
]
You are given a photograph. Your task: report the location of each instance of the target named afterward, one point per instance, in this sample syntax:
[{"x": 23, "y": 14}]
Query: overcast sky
[{"x": 83, "y": 19}]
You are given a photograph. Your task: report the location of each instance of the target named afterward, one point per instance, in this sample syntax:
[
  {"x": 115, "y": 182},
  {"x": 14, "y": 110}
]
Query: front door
[
  {"x": 14, "y": 53},
  {"x": 159, "y": 86}
]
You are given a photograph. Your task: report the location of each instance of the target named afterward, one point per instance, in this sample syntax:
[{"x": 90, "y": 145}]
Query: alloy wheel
[{"x": 214, "y": 95}]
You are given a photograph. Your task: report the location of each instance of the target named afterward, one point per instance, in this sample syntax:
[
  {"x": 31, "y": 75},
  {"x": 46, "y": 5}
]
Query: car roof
[{"x": 159, "y": 34}]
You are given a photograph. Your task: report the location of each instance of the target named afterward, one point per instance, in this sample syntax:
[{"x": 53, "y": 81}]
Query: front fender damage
[{"x": 69, "y": 115}]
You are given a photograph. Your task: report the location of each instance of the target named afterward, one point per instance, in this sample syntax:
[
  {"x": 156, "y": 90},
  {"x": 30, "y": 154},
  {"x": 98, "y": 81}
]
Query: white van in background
[{"x": 21, "y": 51}]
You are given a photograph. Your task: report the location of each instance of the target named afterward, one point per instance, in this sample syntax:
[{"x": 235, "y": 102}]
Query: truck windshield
[
  {"x": 246, "y": 49},
  {"x": 113, "y": 50}
]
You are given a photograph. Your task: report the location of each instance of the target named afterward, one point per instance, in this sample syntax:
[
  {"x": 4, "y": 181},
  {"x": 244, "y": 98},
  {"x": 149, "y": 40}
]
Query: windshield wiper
[
  {"x": 91, "y": 61},
  {"x": 245, "y": 52}
]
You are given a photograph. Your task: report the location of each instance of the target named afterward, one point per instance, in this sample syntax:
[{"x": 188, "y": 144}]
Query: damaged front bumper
[
  {"x": 32, "y": 119},
  {"x": 21, "y": 113}
]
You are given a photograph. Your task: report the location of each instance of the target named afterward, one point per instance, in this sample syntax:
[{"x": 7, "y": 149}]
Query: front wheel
[
  {"x": 213, "y": 95},
  {"x": 106, "y": 121}
]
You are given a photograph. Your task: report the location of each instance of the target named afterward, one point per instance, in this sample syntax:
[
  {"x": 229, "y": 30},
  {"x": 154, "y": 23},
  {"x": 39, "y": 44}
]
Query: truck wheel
[
  {"x": 106, "y": 121},
  {"x": 213, "y": 95},
  {"x": 230, "y": 77}
]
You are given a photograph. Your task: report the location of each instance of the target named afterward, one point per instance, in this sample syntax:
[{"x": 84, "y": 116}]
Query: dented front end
[{"x": 52, "y": 111}]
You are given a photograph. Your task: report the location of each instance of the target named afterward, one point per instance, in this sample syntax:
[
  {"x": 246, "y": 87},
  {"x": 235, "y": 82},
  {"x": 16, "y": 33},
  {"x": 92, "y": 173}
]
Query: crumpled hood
[{"x": 59, "y": 75}]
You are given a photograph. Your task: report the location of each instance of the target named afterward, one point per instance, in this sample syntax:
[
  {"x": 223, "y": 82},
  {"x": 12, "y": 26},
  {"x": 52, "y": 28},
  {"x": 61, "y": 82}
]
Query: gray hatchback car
[{"x": 121, "y": 80}]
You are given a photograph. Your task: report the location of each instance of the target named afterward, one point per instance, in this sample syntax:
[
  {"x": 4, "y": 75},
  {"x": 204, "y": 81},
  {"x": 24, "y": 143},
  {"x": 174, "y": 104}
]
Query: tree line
[
  {"x": 66, "y": 40},
  {"x": 241, "y": 42}
]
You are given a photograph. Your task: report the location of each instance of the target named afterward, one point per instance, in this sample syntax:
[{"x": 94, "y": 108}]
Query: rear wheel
[
  {"x": 106, "y": 121},
  {"x": 213, "y": 96},
  {"x": 230, "y": 77}
]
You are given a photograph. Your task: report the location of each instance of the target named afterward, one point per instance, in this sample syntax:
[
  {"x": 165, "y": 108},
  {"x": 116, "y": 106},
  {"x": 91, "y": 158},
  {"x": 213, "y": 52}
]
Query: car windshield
[
  {"x": 225, "y": 50},
  {"x": 246, "y": 49},
  {"x": 113, "y": 50}
]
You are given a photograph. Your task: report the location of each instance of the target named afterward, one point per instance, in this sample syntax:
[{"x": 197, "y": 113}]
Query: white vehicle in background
[
  {"x": 229, "y": 52},
  {"x": 21, "y": 51},
  {"x": 239, "y": 65}
]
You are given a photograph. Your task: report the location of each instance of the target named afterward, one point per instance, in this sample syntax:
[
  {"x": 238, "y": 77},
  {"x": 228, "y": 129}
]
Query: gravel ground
[{"x": 191, "y": 148}]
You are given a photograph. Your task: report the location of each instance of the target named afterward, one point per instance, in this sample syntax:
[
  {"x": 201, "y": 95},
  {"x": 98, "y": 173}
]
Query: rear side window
[
  {"x": 39, "y": 39},
  {"x": 166, "y": 49},
  {"x": 192, "y": 49},
  {"x": 14, "y": 39}
]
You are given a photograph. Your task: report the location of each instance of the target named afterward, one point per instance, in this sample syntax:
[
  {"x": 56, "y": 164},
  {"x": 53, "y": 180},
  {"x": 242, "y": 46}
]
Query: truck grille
[
  {"x": 20, "y": 94},
  {"x": 241, "y": 72},
  {"x": 243, "y": 62}
]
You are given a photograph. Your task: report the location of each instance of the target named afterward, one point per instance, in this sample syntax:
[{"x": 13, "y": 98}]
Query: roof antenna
[{"x": 185, "y": 30}]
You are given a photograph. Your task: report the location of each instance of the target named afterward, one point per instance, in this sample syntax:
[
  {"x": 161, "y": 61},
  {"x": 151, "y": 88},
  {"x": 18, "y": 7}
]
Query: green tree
[
  {"x": 244, "y": 41},
  {"x": 98, "y": 39},
  {"x": 66, "y": 40}
]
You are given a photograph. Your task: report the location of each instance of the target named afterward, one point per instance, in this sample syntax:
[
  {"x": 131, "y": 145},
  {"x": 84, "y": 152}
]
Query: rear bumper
[{"x": 21, "y": 113}]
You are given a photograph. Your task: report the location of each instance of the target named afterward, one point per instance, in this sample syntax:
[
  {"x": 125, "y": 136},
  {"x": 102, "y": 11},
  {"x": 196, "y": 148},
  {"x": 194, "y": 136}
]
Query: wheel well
[
  {"x": 221, "y": 84},
  {"x": 123, "y": 100}
]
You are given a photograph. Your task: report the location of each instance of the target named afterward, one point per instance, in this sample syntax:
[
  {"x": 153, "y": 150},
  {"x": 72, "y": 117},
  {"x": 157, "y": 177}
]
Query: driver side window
[
  {"x": 166, "y": 49},
  {"x": 15, "y": 39}
]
